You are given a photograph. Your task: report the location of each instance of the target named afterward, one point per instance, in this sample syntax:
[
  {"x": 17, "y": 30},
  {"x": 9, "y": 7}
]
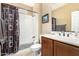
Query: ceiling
[{"x": 29, "y": 4}]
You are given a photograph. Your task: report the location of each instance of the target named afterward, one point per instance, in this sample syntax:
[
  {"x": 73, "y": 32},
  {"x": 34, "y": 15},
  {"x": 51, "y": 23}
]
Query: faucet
[
  {"x": 64, "y": 34},
  {"x": 61, "y": 33}
]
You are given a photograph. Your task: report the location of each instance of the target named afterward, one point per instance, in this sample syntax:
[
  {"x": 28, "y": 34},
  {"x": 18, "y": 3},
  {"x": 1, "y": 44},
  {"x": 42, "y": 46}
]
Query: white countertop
[{"x": 70, "y": 40}]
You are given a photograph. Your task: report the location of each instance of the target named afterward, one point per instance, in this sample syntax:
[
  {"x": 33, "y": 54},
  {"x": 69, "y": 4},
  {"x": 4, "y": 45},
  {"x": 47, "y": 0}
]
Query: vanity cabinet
[
  {"x": 62, "y": 49},
  {"x": 47, "y": 47},
  {"x": 52, "y": 47}
]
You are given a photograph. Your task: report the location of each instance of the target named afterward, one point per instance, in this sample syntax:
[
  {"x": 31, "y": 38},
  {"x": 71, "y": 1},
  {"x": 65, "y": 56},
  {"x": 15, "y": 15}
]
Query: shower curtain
[{"x": 9, "y": 15}]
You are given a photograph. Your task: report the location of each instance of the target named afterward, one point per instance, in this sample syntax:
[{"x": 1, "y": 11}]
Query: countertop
[{"x": 69, "y": 40}]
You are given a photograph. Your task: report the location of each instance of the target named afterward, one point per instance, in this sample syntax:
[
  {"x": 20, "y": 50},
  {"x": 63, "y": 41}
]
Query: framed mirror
[{"x": 45, "y": 18}]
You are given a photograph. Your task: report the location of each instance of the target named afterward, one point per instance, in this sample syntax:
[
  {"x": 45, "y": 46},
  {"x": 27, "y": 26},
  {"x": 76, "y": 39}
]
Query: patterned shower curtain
[{"x": 9, "y": 15}]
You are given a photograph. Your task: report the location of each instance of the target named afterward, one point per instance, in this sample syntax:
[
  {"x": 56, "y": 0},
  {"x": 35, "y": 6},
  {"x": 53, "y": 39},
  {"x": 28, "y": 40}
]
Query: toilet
[{"x": 35, "y": 48}]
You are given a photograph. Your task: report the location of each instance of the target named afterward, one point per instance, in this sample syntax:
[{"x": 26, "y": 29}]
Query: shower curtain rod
[
  {"x": 19, "y": 12},
  {"x": 27, "y": 10}
]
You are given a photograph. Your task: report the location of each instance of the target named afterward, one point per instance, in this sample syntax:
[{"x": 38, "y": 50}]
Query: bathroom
[{"x": 38, "y": 28}]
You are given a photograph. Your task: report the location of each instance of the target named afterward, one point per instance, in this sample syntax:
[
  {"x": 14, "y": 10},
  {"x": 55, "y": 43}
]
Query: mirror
[{"x": 65, "y": 18}]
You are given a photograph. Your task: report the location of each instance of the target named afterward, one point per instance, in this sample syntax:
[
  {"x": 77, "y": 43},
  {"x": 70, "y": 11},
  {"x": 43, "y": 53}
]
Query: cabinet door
[
  {"x": 61, "y": 49},
  {"x": 73, "y": 51},
  {"x": 47, "y": 47}
]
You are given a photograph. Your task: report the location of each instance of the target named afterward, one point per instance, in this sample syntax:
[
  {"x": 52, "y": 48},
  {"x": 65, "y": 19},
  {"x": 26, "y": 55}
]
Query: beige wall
[
  {"x": 63, "y": 14},
  {"x": 37, "y": 8},
  {"x": 46, "y": 8}
]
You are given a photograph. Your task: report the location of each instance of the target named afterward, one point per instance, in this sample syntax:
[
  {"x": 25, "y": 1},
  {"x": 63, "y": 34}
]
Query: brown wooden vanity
[{"x": 52, "y": 47}]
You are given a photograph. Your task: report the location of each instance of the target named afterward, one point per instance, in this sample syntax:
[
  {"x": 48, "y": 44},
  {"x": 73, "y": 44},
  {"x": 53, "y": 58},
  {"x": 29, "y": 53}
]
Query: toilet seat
[{"x": 35, "y": 48}]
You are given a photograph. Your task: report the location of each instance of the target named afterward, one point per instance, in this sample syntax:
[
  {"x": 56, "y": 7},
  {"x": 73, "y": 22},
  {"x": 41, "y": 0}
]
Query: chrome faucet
[{"x": 59, "y": 33}]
